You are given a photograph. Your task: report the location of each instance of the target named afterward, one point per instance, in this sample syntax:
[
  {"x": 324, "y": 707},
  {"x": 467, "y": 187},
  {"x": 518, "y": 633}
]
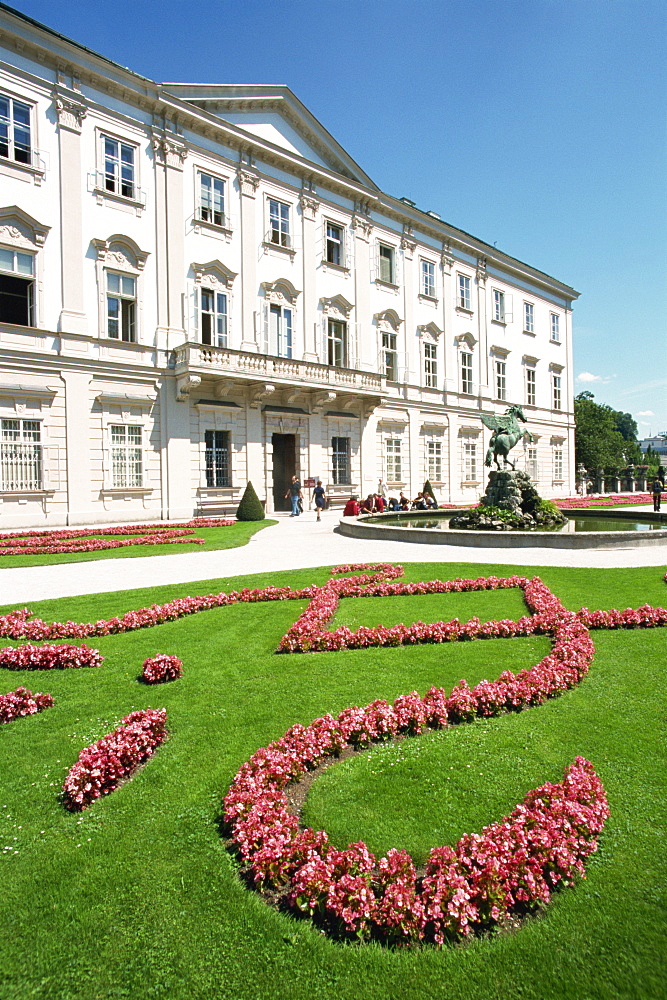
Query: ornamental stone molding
[
  {"x": 408, "y": 241},
  {"x": 337, "y": 307},
  {"x": 467, "y": 339},
  {"x": 71, "y": 109},
  {"x": 309, "y": 207},
  {"x": 281, "y": 292},
  {"x": 170, "y": 150},
  {"x": 120, "y": 253},
  {"x": 321, "y": 399},
  {"x": 362, "y": 226},
  {"x": 248, "y": 181},
  {"x": 480, "y": 272},
  {"x": 214, "y": 275},
  {"x": 185, "y": 385},
  {"x": 260, "y": 393},
  {"x": 18, "y": 229},
  {"x": 446, "y": 262},
  {"x": 223, "y": 388}
]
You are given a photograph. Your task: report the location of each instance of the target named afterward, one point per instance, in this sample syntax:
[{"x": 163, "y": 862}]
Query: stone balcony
[{"x": 263, "y": 374}]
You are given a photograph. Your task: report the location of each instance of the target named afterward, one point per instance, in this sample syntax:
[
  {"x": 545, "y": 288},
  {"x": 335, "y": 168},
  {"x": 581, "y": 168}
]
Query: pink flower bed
[
  {"x": 102, "y": 766},
  {"x": 606, "y": 500},
  {"x": 46, "y": 543},
  {"x": 510, "y": 868},
  {"x": 162, "y": 668},
  {"x": 49, "y": 657},
  {"x": 21, "y": 702}
]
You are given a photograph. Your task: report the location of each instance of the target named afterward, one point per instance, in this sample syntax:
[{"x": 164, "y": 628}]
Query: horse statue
[{"x": 506, "y": 433}]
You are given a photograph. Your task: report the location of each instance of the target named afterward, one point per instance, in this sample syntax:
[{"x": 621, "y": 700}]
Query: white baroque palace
[{"x": 200, "y": 287}]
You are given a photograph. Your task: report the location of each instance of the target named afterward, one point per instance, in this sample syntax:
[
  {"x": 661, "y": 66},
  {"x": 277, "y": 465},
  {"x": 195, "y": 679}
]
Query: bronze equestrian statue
[{"x": 506, "y": 433}]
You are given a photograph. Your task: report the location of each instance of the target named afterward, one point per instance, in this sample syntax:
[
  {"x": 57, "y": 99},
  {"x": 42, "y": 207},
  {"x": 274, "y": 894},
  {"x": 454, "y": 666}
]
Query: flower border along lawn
[
  {"x": 138, "y": 896},
  {"x": 226, "y": 535}
]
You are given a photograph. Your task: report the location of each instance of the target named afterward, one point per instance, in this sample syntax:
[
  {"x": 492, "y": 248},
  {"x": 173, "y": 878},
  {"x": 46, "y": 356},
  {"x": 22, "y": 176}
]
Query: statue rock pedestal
[{"x": 511, "y": 503}]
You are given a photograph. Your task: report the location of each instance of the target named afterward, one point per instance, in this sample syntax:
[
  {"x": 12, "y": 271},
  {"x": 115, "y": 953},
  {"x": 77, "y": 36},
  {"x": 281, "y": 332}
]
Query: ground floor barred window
[
  {"x": 217, "y": 458},
  {"x": 21, "y": 455},
  {"x": 340, "y": 461},
  {"x": 126, "y": 456}
]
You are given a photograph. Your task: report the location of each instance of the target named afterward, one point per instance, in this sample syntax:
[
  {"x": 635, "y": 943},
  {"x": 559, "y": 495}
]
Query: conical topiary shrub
[
  {"x": 429, "y": 489},
  {"x": 250, "y": 508}
]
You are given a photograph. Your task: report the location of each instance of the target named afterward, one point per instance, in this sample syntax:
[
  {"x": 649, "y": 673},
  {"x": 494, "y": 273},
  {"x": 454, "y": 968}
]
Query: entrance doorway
[{"x": 284, "y": 467}]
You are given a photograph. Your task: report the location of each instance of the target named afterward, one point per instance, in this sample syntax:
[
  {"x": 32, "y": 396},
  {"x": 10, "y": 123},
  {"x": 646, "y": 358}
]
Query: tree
[
  {"x": 598, "y": 442},
  {"x": 250, "y": 508}
]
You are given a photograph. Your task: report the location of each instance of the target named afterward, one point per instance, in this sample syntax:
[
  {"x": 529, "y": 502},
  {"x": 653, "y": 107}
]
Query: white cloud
[
  {"x": 589, "y": 377},
  {"x": 645, "y": 413}
]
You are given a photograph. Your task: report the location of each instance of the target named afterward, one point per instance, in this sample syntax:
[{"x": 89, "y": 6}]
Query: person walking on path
[
  {"x": 657, "y": 493},
  {"x": 294, "y": 493},
  {"x": 320, "y": 498}
]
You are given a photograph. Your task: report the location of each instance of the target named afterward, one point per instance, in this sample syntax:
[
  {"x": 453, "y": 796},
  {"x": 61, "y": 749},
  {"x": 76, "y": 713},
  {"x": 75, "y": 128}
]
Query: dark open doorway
[{"x": 284, "y": 467}]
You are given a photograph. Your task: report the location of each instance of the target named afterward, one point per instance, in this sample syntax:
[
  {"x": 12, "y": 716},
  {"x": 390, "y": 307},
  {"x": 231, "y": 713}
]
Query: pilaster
[
  {"x": 71, "y": 109},
  {"x": 77, "y": 436},
  {"x": 248, "y": 181},
  {"x": 309, "y": 214},
  {"x": 170, "y": 153}
]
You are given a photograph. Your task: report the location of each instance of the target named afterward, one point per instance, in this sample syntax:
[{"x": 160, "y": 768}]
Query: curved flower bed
[
  {"x": 49, "y": 657},
  {"x": 161, "y": 668},
  {"x": 102, "y": 766},
  {"x": 607, "y": 500},
  {"x": 510, "y": 868},
  {"x": 78, "y": 541},
  {"x": 22, "y": 702}
]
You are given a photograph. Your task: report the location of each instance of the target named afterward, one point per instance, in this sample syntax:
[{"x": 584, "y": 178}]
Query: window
[
  {"x": 556, "y": 389},
  {"x": 428, "y": 278},
  {"x": 498, "y": 306},
  {"x": 337, "y": 343},
  {"x": 470, "y": 461},
  {"x": 279, "y": 228},
  {"x": 17, "y": 287},
  {"x": 558, "y": 463},
  {"x": 466, "y": 372},
  {"x": 121, "y": 306},
  {"x": 21, "y": 455},
  {"x": 126, "y": 456},
  {"x": 15, "y": 130},
  {"x": 280, "y": 331},
  {"x": 530, "y": 386},
  {"x": 464, "y": 298},
  {"x": 528, "y": 317},
  {"x": 334, "y": 244},
  {"x": 389, "y": 357},
  {"x": 213, "y": 317},
  {"x": 531, "y": 463},
  {"x": 216, "y": 456},
  {"x": 501, "y": 379},
  {"x": 434, "y": 461},
  {"x": 555, "y": 327},
  {"x": 393, "y": 460},
  {"x": 431, "y": 366},
  {"x": 211, "y": 199},
  {"x": 340, "y": 461},
  {"x": 119, "y": 167},
  {"x": 387, "y": 269}
]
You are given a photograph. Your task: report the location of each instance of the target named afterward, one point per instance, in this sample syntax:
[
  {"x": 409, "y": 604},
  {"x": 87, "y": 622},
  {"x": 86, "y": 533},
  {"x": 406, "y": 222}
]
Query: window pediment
[
  {"x": 281, "y": 292},
  {"x": 466, "y": 339},
  {"x": 388, "y": 319},
  {"x": 337, "y": 306},
  {"x": 19, "y": 229},
  {"x": 213, "y": 274},
  {"x": 120, "y": 253},
  {"x": 430, "y": 330}
]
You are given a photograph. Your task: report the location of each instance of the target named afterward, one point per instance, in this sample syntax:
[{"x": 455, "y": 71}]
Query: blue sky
[{"x": 537, "y": 125}]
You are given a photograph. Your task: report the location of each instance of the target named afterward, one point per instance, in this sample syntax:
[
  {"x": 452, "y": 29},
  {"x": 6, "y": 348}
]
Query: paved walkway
[{"x": 292, "y": 543}]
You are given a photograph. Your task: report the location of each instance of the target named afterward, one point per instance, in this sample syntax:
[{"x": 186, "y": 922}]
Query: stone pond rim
[{"x": 379, "y": 527}]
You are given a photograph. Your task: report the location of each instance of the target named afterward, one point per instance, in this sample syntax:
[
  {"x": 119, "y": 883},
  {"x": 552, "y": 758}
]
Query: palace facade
[{"x": 200, "y": 287}]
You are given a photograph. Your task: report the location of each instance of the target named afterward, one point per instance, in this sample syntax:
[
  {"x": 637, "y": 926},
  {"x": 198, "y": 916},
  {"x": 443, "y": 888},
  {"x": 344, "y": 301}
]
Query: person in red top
[
  {"x": 366, "y": 506},
  {"x": 379, "y": 504},
  {"x": 351, "y": 508}
]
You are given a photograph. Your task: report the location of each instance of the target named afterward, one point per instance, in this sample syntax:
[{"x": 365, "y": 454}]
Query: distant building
[
  {"x": 658, "y": 444},
  {"x": 200, "y": 287}
]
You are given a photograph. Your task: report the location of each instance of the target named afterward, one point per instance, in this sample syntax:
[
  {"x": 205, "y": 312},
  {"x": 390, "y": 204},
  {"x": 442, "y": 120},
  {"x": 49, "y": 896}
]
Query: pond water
[{"x": 573, "y": 524}]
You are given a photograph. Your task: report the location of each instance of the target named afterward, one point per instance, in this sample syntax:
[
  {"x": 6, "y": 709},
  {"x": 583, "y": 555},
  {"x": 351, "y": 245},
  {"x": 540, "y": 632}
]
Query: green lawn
[
  {"x": 225, "y": 537},
  {"x": 137, "y": 896}
]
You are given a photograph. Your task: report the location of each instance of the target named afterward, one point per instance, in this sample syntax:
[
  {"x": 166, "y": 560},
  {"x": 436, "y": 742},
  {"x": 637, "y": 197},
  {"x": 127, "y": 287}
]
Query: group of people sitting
[{"x": 375, "y": 503}]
